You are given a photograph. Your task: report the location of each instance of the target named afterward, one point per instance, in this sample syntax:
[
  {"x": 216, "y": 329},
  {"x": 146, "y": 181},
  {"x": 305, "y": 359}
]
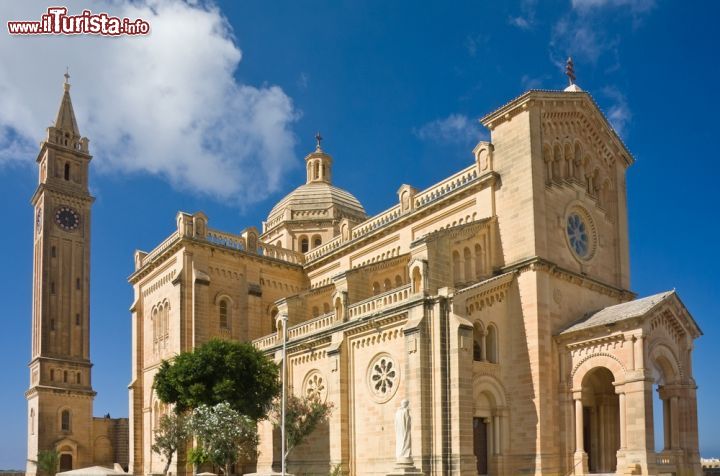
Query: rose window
[
  {"x": 383, "y": 377},
  {"x": 578, "y": 235},
  {"x": 315, "y": 387}
]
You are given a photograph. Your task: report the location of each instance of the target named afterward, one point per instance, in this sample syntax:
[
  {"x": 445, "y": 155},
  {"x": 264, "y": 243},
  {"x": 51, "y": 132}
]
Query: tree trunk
[{"x": 169, "y": 461}]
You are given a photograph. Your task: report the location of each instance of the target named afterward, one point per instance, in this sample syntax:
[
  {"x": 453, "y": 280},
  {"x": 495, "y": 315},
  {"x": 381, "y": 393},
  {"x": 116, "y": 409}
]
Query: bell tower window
[{"x": 67, "y": 171}]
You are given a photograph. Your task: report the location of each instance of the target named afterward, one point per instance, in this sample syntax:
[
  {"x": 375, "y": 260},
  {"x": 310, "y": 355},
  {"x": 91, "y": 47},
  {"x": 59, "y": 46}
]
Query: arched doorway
[
  {"x": 601, "y": 420},
  {"x": 489, "y": 409},
  {"x": 66, "y": 462}
]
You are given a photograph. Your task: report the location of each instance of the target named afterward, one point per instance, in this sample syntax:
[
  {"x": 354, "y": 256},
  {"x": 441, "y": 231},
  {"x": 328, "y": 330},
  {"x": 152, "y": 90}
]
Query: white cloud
[
  {"x": 619, "y": 113},
  {"x": 455, "y": 129},
  {"x": 166, "y": 104},
  {"x": 635, "y": 5},
  {"x": 526, "y": 20}
]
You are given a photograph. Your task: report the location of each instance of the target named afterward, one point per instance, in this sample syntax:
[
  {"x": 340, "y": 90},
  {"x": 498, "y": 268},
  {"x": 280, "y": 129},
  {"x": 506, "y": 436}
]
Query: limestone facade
[
  {"x": 60, "y": 397},
  {"x": 496, "y": 301}
]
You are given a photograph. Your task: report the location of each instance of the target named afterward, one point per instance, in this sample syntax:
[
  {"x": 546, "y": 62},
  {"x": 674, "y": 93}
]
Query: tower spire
[{"x": 65, "y": 120}]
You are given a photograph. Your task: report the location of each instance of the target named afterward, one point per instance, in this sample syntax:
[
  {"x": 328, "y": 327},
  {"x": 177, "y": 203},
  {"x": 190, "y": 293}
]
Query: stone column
[
  {"x": 621, "y": 409},
  {"x": 674, "y": 422},
  {"x": 496, "y": 434},
  {"x": 580, "y": 458},
  {"x": 483, "y": 347}
]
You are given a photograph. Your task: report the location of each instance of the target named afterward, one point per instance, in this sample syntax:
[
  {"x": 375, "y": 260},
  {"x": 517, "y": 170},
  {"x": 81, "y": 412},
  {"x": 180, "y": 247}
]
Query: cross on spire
[
  {"x": 570, "y": 70},
  {"x": 319, "y": 139},
  {"x": 66, "y": 85}
]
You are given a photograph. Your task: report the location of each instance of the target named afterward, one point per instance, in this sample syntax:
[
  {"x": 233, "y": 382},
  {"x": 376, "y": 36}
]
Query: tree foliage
[
  {"x": 47, "y": 462},
  {"x": 220, "y": 371},
  {"x": 302, "y": 416},
  {"x": 224, "y": 435},
  {"x": 171, "y": 435}
]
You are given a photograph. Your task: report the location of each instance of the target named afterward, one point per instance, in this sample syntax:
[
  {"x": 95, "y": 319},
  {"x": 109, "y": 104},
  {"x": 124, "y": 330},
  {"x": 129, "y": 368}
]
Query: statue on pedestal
[{"x": 403, "y": 445}]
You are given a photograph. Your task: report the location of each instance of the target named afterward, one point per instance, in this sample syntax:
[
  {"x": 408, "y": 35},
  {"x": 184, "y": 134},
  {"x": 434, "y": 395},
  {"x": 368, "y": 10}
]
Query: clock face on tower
[{"x": 67, "y": 218}]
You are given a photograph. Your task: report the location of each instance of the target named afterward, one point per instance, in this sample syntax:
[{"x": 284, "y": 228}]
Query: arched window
[
  {"x": 304, "y": 244},
  {"x": 317, "y": 241},
  {"x": 65, "y": 376},
  {"x": 456, "y": 266},
  {"x": 467, "y": 260},
  {"x": 317, "y": 170},
  {"x": 478, "y": 262},
  {"x": 416, "y": 280},
  {"x": 77, "y": 378},
  {"x": 398, "y": 281},
  {"x": 273, "y": 319},
  {"x": 338, "y": 309},
  {"x": 491, "y": 344},
  {"x": 376, "y": 287},
  {"x": 223, "y": 314},
  {"x": 52, "y": 375},
  {"x": 32, "y": 421},
  {"x": 67, "y": 171},
  {"x": 478, "y": 342},
  {"x": 65, "y": 420},
  {"x": 387, "y": 284}
]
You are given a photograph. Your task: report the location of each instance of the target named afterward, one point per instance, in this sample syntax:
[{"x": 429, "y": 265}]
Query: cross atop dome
[{"x": 318, "y": 139}]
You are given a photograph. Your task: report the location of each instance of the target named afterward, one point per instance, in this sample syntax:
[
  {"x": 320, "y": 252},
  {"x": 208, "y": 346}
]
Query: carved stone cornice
[{"x": 537, "y": 263}]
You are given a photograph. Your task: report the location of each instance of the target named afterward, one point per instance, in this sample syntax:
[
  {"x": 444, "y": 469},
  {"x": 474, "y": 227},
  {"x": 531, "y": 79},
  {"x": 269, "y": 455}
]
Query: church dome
[
  {"x": 318, "y": 199},
  {"x": 312, "y": 201}
]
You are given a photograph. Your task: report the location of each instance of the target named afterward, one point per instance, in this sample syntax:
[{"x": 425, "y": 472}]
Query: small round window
[{"x": 579, "y": 235}]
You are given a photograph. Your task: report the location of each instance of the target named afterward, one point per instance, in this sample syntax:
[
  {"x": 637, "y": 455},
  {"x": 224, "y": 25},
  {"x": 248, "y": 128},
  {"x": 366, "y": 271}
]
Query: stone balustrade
[
  {"x": 297, "y": 331},
  {"x": 379, "y": 302},
  {"x": 159, "y": 249},
  {"x": 227, "y": 240}
]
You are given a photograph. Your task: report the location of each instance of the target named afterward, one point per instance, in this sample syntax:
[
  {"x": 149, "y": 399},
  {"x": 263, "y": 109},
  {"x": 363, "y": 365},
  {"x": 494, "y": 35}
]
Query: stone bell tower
[{"x": 60, "y": 397}]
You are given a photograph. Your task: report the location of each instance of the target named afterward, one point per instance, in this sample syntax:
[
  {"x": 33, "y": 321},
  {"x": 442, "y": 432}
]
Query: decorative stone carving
[
  {"x": 383, "y": 378},
  {"x": 315, "y": 386}
]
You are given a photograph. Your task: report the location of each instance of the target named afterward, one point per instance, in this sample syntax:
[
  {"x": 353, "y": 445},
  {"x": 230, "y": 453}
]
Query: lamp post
[{"x": 282, "y": 320}]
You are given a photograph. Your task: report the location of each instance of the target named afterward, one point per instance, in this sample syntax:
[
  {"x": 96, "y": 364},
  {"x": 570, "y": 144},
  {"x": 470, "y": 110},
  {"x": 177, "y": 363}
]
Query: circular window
[
  {"x": 383, "y": 378},
  {"x": 580, "y": 234},
  {"x": 315, "y": 387}
]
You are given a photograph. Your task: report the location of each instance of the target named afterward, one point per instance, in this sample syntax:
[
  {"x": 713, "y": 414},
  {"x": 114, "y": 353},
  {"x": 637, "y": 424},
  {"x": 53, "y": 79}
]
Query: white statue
[{"x": 403, "y": 450}]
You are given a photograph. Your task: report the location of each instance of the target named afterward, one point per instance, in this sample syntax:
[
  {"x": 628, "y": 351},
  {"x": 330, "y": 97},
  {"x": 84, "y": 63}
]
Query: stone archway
[
  {"x": 489, "y": 419},
  {"x": 601, "y": 420}
]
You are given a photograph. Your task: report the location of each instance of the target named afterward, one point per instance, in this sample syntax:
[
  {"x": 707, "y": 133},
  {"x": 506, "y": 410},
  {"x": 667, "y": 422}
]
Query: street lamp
[{"x": 282, "y": 321}]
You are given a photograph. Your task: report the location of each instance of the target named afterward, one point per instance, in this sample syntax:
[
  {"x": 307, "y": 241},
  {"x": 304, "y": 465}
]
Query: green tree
[
  {"x": 224, "y": 435},
  {"x": 47, "y": 462},
  {"x": 302, "y": 416},
  {"x": 171, "y": 435},
  {"x": 220, "y": 371}
]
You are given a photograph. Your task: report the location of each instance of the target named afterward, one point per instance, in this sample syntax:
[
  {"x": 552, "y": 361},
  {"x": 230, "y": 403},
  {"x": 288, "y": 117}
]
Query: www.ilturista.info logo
[{"x": 57, "y": 22}]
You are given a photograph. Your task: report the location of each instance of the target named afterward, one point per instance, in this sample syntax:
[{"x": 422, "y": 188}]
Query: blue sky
[{"x": 216, "y": 108}]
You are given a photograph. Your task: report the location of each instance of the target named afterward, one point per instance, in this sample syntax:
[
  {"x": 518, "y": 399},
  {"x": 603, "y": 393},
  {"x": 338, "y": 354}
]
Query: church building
[
  {"x": 60, "y": 397},
  {"x": 496, "y": 301}
]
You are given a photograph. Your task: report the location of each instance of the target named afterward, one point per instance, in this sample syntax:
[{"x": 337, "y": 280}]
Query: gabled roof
[{"x": 627, "y": 310}]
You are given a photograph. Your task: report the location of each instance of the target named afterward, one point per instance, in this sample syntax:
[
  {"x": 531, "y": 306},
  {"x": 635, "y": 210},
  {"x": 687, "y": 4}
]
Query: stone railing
[
  {"x": 426, "y": 197},
  {"x": 302, "y": 329},
  {"x": 460, "y": 179},
  {"x": 665, "y": 459},
  {"x": 379, "y": 302},
  {"x": 278, "y": 252},
  {"x": 159, "y": 249},
  {"x": 310, "y": 327},
  {"x": 377, "y": 221},
  {"x": 227, "y": 240},
  {"x": 267, "y": 341},
  {"x": 324, "y": 249}
]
